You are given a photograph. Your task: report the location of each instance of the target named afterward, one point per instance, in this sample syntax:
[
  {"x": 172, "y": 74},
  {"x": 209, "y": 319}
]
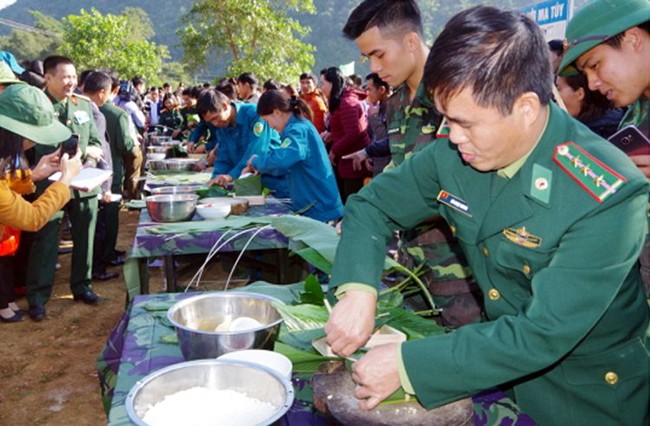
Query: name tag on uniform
[
  {"x": 80, "y": 117},
  {"x": 393, "y": 131},
  {"x": 454, "y": 202}
]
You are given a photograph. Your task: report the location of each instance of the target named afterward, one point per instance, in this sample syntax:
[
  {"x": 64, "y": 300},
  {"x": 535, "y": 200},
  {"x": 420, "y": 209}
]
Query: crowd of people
[{"x": 485, "y": 154}]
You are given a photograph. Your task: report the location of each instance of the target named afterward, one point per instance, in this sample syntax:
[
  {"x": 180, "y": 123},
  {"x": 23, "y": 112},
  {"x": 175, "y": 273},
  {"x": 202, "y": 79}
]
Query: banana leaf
[
  {"x": 234, "y": 222},
  {"x": 317, "y": 236},
  {"x": 313, "y": 293},
  {"x": 212, "y": 191},
  {"x": 287, "y": 293},
  {"x": 249, "y": 185},
  {"x": 303, "y": 361}
]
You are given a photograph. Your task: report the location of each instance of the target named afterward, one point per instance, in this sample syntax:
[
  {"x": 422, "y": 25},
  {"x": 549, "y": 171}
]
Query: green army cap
[
  {"x": 26, "y": 111},
  {"x": 597, "y": 22},
  {"x": 7, "y": 76}
]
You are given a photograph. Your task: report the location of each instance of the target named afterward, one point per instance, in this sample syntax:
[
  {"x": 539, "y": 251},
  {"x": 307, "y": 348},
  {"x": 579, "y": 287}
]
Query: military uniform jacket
[
  {"x": 411, "y": 124},
  {"x": 76, "y": 114},
  {"x": 119, "y": 139},
  {"x": 558, "y": 268}
]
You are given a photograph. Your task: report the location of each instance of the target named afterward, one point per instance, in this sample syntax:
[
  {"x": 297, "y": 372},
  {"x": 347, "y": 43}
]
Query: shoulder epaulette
[
  {"x": 592, "y": 175},
  {"x": 85, "y": 98}
]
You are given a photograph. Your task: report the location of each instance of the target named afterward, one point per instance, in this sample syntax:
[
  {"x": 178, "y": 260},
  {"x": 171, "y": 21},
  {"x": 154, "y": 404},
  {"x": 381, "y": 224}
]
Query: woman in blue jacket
[{"x": 301, "y": 154}]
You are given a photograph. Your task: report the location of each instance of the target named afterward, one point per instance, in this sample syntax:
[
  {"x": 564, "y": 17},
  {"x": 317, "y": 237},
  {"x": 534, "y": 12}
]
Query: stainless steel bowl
[
  {"x": 254, "y": 381},
  {"x": 171, "y": 207},
  {"x": 184, "y": 189},
  {"x": 196, "y": 319},
  {"x": 181, "y": 164},
  {"x": 157, "y": 164}
]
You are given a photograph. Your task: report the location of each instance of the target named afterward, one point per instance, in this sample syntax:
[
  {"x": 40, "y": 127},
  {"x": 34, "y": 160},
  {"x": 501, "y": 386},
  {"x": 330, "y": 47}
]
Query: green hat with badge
[
  {"x": 26, "y": 111},
  {"x": 598, "y": 21}
]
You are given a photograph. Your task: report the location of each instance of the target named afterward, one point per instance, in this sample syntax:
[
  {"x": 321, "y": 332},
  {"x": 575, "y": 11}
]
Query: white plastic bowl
[
  {"x": 215, "y": 210},
  {"x": 269, "y": 359}
]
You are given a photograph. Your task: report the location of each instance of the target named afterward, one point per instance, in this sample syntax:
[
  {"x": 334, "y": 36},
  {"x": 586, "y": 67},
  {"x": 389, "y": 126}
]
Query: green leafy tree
[
  {"x": 250, "y": 35},
  {"x": 94, "y": 40},
  {"x": 32, "y": 45}
]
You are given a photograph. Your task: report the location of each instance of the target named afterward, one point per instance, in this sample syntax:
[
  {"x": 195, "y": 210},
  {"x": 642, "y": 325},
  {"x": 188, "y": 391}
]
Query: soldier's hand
[
  {"x": 376, "y": 375},
  {"x": 351, "y": 322}
]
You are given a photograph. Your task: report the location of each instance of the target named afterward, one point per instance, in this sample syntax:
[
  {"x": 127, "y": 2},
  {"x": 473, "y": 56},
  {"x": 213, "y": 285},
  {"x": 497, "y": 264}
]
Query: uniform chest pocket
[{"x": 525, "y": 260}]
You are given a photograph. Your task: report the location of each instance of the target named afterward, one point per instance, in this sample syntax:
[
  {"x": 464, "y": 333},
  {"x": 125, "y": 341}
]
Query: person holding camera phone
[
  {"x": 609, "y": 42},
  {"x": 75, "y": 113},
  {"x": 27, "y": 118}
]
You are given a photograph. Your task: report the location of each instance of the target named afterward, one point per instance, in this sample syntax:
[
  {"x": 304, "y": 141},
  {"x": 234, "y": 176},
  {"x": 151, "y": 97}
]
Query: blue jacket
[
  {"x": 236, "y": 144},
  {"x": 205, "y": 128},
  {"x": 311, "y": 180}
]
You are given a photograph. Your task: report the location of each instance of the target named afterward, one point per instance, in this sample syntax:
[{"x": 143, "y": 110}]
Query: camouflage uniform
[
  {"x": 411, "y": 126},
  {"x": 638, "y": 115}
]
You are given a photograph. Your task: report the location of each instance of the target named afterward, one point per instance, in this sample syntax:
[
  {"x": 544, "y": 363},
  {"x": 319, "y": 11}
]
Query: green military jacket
[
  {"x": 411, "y": 124},
  {"x": 119, "y": 139},
  {"x": 555, "y": 253},
  {"x": 75, "y": 113}
]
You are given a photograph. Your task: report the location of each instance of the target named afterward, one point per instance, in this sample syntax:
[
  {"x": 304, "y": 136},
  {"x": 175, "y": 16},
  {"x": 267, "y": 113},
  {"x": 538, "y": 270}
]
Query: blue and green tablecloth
[{"x": 137, "y": 346}]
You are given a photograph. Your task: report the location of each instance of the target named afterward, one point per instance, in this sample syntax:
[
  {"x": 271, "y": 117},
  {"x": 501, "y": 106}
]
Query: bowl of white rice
[
  {"x": 210, "y": 392},
  {"x": 212, "y": 324}
]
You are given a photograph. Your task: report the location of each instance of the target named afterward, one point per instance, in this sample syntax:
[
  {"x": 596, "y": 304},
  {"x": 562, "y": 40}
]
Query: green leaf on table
[
  {"x": 303, "y": 317},
  {"x": 170, "y": 339},
  {"x": 313, "y": 293},
  {"x": 412, "y": 324},
  {"x": 197, "y": 226},
  {"x": 315, "y": 259},
  {"x": 300, "y": 339},
  {"x": 213, "y": 191},
  {"x": 249, "y": 185},
  {"x": 287, "y": 293},
  {"x": 303, "y": 361}
]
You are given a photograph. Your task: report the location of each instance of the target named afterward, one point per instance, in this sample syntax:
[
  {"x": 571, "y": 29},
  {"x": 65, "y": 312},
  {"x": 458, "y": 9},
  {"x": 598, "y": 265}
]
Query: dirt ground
[{"x": 47, "y": 369}]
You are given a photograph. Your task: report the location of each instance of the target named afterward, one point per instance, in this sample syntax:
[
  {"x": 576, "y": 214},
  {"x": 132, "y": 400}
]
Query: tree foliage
[
  {"x": 94, "y": 40},
  {"x": 252, "y": 35},
  {"x": 29, "y": 45}
]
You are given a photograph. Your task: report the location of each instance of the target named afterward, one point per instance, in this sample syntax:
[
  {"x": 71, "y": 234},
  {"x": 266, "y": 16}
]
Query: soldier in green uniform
[
  {"x": 609, "y": 41},
  {"x": 73, "y": 111},
  {"x": 390, "y": 34},
  {"x": 551, "y": 219},
  {"x": 99, "y": 87}
]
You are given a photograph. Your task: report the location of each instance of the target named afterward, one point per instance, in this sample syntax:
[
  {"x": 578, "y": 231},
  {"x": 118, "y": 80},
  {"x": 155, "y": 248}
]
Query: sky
[{"x": 5, "y": 3}]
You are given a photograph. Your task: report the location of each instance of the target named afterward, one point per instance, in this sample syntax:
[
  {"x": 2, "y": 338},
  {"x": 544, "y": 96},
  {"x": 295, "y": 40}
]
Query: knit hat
[{"x": 26, "y": 111}]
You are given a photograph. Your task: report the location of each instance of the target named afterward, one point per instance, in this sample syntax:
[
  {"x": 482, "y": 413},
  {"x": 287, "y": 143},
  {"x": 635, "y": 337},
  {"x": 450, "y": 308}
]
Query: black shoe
[
  {"x": 36, "y": 312},
  {"x": 16, "y": 317},
  {"x": 88, "y": 297},
  {"x": 117, "y": 261},
  {"x": 105, "y": 276}
]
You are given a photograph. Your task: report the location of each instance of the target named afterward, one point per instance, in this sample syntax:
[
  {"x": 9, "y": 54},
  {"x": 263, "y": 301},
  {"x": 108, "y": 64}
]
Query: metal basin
[
  {"x": 184, "y": 189},
  {"x": 197, "y": 318},
  {"x": 181, "y": 164},
  {"x": 252, "y": 380},
  {"x": 171, "y": 207}
]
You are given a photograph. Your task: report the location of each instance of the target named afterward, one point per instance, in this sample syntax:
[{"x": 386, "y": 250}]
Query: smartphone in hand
[
  {"x": 70, "y": 146},
  {"x": 631, "y": 141}
]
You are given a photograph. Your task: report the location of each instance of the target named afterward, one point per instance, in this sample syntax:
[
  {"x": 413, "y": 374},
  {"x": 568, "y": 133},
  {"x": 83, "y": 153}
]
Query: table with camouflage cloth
[
  {"x": 182, "y": 239},
  {"x": 144, "y": 341}
]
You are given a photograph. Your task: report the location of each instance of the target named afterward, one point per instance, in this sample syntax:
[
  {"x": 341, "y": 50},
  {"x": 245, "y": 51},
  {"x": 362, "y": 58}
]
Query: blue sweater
[
  {"x": 236, "y": 144},
  {"x": 311, "y": 179}
]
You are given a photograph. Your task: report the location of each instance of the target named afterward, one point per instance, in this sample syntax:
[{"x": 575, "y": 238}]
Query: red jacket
[{"x": 349, "y": 131}]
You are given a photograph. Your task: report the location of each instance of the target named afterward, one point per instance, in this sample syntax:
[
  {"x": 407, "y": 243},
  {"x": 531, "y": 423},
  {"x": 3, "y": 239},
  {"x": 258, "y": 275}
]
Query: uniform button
[
  {"x": 453, "y": 229},
  {"x": 611, "y": 378},
  {"x": 485, "y": 251},
  {"x": 525, "y": 269},
  {"x": 494, "y": 294}
]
